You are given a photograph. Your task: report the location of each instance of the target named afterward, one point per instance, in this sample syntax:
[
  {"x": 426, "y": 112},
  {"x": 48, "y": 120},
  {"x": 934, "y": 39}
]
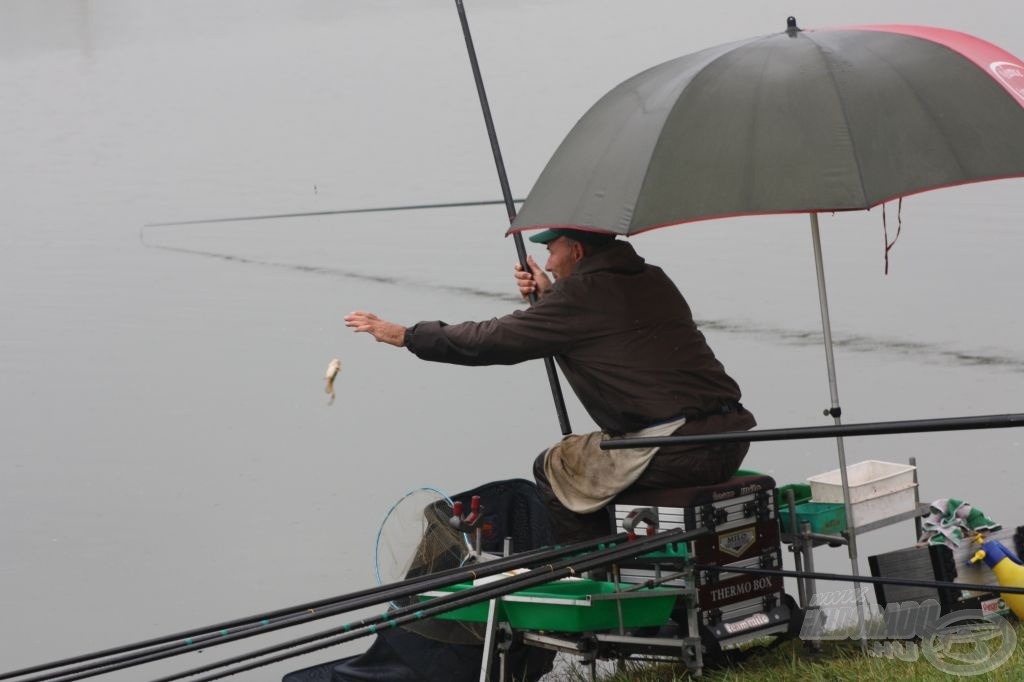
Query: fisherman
[{"x": 626, "y": 342}]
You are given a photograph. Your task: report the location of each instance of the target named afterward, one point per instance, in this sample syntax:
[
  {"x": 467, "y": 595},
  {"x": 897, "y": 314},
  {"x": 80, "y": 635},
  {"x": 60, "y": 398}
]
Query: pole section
[
  {"x": 991, "y": 421},
  {"x": 510, "y": 207},
  {"x": 836, "y": 413}
]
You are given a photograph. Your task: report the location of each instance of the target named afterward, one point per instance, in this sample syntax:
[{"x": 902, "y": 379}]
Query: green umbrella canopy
[{"x": 801, "y": 121}]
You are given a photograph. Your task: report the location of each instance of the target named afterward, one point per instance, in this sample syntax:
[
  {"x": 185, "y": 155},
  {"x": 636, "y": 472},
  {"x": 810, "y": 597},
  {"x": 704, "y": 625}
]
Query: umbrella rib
[
  {"x": 916, "y": 93},
  {"x": 668, "y": 117},
  {"x": 823, "y": 54}
]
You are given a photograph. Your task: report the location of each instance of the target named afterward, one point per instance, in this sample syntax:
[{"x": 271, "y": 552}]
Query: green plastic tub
[
  {"x": 570, "y": 606},
  {"x": 675, "y": 551},
  {"x": 801, "y": 493},
  {"x": 475, "y": 613},
  {"x": 585, "y": 605},
  {"x": 824, "y": 517}
]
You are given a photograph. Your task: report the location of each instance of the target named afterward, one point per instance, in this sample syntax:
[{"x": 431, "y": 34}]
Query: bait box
[
  {"x": 867, "y": 480},
  {"x": 884, "y": 506}
]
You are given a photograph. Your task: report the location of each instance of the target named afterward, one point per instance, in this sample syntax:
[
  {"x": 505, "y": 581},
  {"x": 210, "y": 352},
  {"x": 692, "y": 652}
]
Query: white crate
[
  {"x": 884, "y": 506},
  {"x": 867, "y": 480}
]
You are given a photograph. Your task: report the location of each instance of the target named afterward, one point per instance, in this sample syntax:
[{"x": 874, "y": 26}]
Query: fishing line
[
  {"x": 344, "y": 211},
  {"x": 471, "y": 291}
]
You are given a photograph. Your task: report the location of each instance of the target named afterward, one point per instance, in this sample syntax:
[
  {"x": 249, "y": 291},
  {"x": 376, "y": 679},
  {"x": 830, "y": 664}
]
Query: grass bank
[{"x": 841, "y": 662}]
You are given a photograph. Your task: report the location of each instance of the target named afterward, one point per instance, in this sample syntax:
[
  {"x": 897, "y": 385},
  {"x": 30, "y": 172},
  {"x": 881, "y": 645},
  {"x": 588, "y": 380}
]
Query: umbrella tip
[{"x": 791, "y": 27}]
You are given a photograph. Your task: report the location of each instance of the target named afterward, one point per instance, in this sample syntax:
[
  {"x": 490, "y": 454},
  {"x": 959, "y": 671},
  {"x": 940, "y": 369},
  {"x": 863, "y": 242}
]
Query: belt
[{"x": 693, "y": 415}]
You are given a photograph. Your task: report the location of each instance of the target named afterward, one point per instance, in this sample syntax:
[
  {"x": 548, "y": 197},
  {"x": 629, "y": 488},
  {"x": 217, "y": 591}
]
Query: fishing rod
[
  {"x": 440, "y": 605},
  {"x": 345, "y": 211},
  {"x": 991, "y": 421},
  {"x": 222, "y": 633},
  {"x": 489, "y": 591},
  {"x": 506, "y": 192},
  {"x": 880, "y": 580}
]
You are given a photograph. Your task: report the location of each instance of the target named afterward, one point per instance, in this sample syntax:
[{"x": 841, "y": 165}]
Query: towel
[
  {"x": 585, "y": 478},
  {"x": 950, "y": 520}
]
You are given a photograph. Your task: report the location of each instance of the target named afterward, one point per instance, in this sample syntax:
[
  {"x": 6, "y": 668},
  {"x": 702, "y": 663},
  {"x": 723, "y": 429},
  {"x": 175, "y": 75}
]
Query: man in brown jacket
[{"x": 626, "y": 342}]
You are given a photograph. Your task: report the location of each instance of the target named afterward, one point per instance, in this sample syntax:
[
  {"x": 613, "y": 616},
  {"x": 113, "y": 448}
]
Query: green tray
[
  {"x": 673, "y": 550},
  {"x": 475, "y": 613},
  {"x": 824, "y": 517},
  {"x": 676, "y": 551},
  {"x": 569, "y": 606},
  {"x": 801, "y": 493},
  {"x": 586, "y": 605}
]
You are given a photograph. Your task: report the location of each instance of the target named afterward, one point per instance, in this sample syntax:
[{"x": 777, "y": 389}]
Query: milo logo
[
  {"x": 1011, "y": 75},
  {"x": 737, "y": 542}
]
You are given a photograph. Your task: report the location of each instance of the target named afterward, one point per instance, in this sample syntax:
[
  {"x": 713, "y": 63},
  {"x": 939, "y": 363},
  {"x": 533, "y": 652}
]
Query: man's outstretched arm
[{"x": 382, "y": 330}]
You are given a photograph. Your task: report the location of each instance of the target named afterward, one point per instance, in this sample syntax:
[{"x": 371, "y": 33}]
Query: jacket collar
[{"x": 620, "y": 257}]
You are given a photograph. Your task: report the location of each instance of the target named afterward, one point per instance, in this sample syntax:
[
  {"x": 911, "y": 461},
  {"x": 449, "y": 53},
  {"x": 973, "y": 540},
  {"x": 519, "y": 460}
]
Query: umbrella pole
[
  {"x": 836, "y": 413},
  {"x": 549, "y": 363}
]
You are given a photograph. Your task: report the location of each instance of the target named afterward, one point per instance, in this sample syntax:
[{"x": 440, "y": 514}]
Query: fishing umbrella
[{"x": 802, "y": 121}]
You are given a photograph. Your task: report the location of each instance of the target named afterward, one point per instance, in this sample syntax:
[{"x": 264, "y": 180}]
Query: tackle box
[{"x": 741, "y": 514}]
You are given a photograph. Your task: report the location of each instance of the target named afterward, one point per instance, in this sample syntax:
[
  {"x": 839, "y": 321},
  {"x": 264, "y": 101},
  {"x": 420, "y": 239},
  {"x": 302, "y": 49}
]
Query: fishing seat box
[
  {"x": 741, "y": 515},
  {"x": 940, "y": 563}
]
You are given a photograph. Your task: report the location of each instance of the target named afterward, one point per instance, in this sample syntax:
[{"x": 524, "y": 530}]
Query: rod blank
[{"x": 991, "y": 421}]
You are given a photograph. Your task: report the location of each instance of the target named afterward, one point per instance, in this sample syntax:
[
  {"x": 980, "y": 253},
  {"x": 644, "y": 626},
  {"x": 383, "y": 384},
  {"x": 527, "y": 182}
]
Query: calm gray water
[{"x": 167, "y": 459}]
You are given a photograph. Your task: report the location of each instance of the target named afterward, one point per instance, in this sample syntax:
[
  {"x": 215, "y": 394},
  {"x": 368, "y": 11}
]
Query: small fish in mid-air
[{"x": 332, "y": 372}]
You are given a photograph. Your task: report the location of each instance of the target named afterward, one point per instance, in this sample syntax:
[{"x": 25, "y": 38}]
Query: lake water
[{"x": 167, "y": 457}]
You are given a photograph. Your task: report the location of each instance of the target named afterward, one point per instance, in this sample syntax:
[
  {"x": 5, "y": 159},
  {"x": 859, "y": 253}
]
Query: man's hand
[
  {"x": 382, "y": 330},
  {"x": 535, "y": 281}
]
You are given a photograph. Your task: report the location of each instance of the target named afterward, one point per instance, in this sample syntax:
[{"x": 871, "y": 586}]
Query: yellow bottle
[{"x": 1008, "y": 569}]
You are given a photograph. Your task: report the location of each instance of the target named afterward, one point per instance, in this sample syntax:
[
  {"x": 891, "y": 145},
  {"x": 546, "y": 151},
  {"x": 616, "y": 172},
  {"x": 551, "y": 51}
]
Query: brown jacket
[{"x": 621, "y": 332}]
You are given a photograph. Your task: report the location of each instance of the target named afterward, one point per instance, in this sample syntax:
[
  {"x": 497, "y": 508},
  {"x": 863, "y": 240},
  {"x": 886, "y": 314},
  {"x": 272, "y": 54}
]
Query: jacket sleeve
[{"x": 543, "y": 329}]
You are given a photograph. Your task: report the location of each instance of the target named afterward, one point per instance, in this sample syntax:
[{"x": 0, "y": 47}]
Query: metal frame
[{"x": 593, "y": 646}]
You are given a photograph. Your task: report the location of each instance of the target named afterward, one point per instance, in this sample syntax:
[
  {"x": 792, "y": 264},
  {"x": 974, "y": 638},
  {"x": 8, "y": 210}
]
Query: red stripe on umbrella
[{"x": 1006, "y": 68}]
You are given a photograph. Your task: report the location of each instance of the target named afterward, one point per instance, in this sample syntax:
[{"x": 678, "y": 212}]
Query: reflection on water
[{"x": 861, "y": 343}]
